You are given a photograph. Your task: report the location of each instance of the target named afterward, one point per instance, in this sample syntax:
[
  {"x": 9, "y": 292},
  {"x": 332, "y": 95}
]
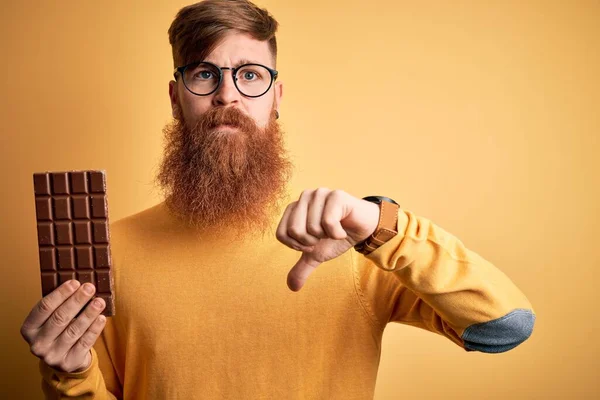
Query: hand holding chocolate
[{"x": 75, "y": 264}]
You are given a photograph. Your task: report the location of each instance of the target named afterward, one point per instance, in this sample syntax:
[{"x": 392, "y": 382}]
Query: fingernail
[
  {"x": 97, "y": 303},
  {"x": 74, "y": 284},
  {"x": 88, "y": 289}
]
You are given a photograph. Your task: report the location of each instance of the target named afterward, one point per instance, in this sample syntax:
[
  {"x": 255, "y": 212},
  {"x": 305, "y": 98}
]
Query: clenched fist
[{"x": 323, "y": 224}]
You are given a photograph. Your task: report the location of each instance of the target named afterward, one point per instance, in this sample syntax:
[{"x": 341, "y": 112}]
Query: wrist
[
  {"x": 387, "y": 224},
  {"x": 86, "y": 364},
  {"x": 373, "y": 212}
]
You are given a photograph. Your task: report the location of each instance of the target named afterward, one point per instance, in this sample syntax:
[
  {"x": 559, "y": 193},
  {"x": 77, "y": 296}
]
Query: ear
[
  {"x": 278, "y": 94},
  {"x": 173, "y": 96}
]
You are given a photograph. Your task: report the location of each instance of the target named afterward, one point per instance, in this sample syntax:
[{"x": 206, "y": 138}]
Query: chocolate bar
[{"x": 73, "y": 231}]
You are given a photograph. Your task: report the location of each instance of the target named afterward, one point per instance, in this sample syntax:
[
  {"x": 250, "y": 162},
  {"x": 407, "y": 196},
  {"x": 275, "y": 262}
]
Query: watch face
[{"x": 379, "y": 199}]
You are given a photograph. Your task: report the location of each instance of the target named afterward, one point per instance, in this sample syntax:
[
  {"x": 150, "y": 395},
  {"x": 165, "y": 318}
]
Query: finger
[
  {"x": 300, "y": 272},
  {"x": 296, "y": 227},
  {"x": 282, "y": 235},
  {"x": 333, "y": 213},
  {"x": 79, "y": 326},
  {"x": 45, "y": 307},
  {"x": 81, "y": 349},
  {"x": 315, "y": 213},
  {"x": 64, "y": 314}
]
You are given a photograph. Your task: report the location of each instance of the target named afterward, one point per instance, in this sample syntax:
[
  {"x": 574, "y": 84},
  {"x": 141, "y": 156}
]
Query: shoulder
[{"x": 138, "y": 220}]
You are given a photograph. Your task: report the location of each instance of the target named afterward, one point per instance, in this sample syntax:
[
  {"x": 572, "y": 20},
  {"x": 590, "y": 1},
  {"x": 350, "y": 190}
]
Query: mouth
[{"x": 225, "y": 127}]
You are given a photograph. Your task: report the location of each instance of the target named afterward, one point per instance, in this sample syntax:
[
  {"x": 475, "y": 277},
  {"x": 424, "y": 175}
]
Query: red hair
[{"x": 198, "y": 28}]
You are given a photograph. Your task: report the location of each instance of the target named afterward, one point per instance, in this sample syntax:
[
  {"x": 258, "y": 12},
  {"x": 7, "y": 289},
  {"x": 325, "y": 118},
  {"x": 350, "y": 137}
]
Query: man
[{"x": 202, "y": 310}]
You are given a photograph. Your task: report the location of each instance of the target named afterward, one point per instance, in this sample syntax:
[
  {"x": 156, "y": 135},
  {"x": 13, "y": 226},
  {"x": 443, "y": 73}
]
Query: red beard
[{"x": 224, "y": 180}]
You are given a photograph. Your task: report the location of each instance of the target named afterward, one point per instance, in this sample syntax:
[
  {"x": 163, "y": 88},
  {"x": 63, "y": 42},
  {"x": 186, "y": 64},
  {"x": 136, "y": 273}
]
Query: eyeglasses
[{"x": 204, "y": 78}]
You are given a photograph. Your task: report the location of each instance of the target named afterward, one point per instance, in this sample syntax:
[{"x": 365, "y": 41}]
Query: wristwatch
[{"x": 387, "y": 227}]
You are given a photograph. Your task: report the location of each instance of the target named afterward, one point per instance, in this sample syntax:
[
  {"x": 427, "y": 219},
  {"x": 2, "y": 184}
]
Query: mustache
[{"x": 225, "y": 116}]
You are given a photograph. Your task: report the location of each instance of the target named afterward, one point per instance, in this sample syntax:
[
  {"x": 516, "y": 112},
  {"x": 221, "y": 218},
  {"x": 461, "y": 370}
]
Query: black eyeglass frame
[{"x": 182, "y": 69}]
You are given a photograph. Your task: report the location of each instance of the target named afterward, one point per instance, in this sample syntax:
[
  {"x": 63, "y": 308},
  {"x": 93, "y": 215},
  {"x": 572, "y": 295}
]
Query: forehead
[{"x": 238, "y": 47}]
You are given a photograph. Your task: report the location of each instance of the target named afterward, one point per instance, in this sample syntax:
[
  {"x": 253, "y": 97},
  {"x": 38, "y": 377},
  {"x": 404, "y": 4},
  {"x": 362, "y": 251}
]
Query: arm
[
  {"x": 61, "y": 330},
  {"x": 427, "y": 278}
]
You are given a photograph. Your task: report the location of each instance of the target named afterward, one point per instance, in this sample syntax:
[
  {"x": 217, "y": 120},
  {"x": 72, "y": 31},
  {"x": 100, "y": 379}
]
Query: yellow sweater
[{"x": 200, "y": 317}]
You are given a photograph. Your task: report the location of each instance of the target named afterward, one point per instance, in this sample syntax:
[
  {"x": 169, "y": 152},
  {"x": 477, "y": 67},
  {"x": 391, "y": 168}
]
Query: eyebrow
[
  {"x": 244, "y": 61},
  {"x": 240, "y": 62}
]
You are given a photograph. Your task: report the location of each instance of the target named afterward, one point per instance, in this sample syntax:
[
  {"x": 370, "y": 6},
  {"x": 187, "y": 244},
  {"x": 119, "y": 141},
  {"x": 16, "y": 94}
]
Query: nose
[{"x": 227, "y": 94}]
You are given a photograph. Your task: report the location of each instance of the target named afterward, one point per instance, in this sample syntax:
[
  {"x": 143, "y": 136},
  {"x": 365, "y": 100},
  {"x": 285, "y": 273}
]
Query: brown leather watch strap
[{"x": 387, "y": 228}]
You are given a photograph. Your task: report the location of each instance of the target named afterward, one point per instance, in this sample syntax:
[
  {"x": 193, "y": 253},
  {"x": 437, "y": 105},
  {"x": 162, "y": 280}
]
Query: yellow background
[{"x": 483, "y": 116}]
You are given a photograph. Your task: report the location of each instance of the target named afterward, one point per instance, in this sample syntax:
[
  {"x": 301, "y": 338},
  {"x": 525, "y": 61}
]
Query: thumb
[{"x": 301, "y": 271}]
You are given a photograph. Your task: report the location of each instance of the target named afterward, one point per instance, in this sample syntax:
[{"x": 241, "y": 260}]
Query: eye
[
  {"x": 250, "y": 74},
  {"x": 204, "y": 75}
]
